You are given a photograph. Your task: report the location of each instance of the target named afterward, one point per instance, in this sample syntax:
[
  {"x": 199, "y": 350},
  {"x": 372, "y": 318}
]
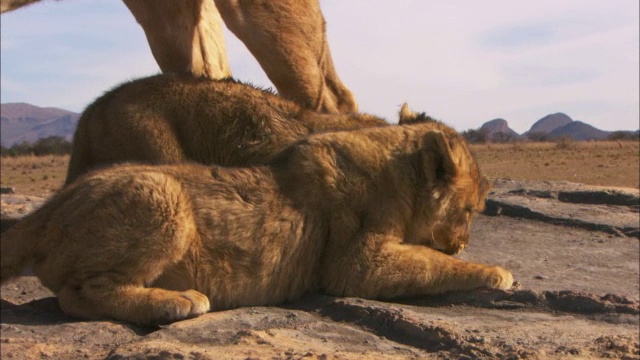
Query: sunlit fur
[
  {"x": 354, "y": 213},
  {"x": 168, "y": 119}
]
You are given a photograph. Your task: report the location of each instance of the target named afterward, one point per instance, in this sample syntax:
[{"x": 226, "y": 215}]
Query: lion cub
[
  {"x": 371, "y": 213},
  {"x": 168, "y": 119}
]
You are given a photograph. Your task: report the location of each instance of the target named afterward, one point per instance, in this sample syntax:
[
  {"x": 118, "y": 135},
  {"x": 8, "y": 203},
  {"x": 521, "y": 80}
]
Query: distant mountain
[
  {"x": 498, "y": 130},
  {"x": 559, "y": 125},
  {"x": 552, "y": 126},
  {"x": 578, "y": 130},
  {"x": 21, "y": 121},
  {"x": 549, "y": 123}
]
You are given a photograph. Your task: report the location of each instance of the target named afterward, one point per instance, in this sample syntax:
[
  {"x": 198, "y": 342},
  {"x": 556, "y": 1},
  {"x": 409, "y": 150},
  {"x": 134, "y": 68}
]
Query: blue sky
[{"x": 464, "y": 62}]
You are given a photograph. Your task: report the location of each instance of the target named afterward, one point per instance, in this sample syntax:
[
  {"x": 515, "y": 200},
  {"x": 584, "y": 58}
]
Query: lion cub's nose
[{"x": 460, "y": 248}]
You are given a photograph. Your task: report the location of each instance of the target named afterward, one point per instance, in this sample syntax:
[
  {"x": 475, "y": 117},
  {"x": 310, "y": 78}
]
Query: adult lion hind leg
[
  {"x": 101, "y": 297},
  {"x": 395, "y": 270},
  {"x": 184, "y": 36},
  {"x": 288, "y": 39}
]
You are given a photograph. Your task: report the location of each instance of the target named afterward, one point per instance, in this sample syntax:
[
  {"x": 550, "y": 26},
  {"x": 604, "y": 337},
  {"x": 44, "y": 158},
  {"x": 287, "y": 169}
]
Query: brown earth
[
  {"x": 34, "y": 175},
  {"x": 606, "y": 163},
  {"x": 572, "y": 248}
]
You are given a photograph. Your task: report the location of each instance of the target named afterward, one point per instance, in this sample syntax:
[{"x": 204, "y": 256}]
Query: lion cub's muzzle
[{"x": 450, "y": 241}]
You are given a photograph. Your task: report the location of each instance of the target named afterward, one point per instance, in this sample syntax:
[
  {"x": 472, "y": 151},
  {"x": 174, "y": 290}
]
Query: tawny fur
[
  {"x": 168, "y": 119},
  {"x": 185, "y": 37},
  {"x": 287, "y": 38},
  {"x": 370, "y": 213}
]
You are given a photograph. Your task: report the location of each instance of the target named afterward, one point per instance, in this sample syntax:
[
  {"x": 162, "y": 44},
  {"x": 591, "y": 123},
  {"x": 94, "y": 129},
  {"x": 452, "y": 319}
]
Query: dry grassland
[
  {"x": 607, "y": 163},
  {"x": 34, "y": 175}
]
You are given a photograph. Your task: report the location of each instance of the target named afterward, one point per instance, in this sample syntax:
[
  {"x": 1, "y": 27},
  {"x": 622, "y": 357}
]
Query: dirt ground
[
  {"x": 606, "y": 163},
  {"x": 34, "y": 175}
]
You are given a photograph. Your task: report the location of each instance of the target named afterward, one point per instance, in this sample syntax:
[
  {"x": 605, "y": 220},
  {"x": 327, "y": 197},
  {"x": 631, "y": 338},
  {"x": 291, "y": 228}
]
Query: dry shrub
[
  {"x": 565, "y": 143},
  {"x": 516, "y": 146}
]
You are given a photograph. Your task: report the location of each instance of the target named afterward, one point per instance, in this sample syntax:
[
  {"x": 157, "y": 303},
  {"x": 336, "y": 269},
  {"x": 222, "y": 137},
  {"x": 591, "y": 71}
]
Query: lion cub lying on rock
[
  {"x": 369, "y": 213},
  {"x": 168, "y": 119}
]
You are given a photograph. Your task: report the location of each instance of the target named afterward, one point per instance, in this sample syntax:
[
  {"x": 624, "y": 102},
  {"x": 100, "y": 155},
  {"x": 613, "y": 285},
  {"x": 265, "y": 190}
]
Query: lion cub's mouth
[
  {"x": 459, "y": 249},
  {"x": 450, "y": 250},
  {"x": 432, "y": 243}
]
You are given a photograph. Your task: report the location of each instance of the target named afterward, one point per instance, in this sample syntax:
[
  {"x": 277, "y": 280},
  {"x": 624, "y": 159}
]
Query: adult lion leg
[
  {"x": 393, "y": 269},
  {"x": 8, "y": 5},
  {"x": 288, "y": 39},
  {"x": 184, "y": 36}
]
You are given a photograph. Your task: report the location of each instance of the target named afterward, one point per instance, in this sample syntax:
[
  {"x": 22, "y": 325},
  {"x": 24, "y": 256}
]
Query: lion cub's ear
[
  {"x": 441, "y": 164},
  {"x": 406, "y": 116}
]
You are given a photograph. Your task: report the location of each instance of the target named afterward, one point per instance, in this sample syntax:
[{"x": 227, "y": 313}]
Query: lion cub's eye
[{"x": 469, "y": 209}]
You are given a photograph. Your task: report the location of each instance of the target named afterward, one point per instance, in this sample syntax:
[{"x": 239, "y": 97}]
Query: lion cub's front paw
[
  {"x": 498, "y": 277},
  {"x": 183, "y": 305},
  {"x": 199, "y": 302}
]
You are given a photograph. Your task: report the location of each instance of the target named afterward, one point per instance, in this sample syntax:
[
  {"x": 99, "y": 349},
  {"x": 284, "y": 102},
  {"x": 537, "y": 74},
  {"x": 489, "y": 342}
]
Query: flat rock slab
[
  {"x": 547, "y": 257},
  {"x": 17, "y": 206},
  {"x": 577, "y": 296},
  {"x": 482, "y": 324},
  {"x": 611, "y": 210}
]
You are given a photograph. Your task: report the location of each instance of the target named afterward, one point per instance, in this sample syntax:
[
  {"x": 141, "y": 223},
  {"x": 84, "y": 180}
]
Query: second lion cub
[
  {"x": 370, "y": 213},
  {"x": 168, "y": 119}
]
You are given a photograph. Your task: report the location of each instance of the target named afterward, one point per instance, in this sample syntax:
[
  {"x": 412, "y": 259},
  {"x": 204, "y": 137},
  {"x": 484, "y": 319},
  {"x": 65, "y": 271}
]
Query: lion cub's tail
[
  {"x": 15, "y": 251},
  {"x": 20, "y": 243}
]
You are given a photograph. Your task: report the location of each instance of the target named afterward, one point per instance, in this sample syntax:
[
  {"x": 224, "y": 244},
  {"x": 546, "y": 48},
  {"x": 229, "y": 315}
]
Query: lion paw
[
  {"x": 187, "y": 304},
  {"x": 200, "y": 303},
  {"x": 499, "y": 278}
]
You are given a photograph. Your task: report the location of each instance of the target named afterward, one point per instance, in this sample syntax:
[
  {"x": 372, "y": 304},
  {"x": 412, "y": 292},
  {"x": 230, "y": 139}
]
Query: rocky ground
[{"x": 573, "y": 249}]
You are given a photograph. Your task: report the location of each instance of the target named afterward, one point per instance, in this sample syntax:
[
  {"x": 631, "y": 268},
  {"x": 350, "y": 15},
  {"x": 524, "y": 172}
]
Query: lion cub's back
[{"x": 172, "y": 119}]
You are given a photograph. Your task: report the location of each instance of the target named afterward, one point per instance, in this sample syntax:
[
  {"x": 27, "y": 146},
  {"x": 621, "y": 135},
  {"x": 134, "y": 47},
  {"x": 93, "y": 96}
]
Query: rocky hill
[
  {"x": 578, "y": 130},
  {"x": 550, "y": 122},
  {"x": 21, "y": 121},
  {"x": 560, "y": 125},
  {"x": 498, "y": 130},
  {"x": 552, "y": 126}
]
